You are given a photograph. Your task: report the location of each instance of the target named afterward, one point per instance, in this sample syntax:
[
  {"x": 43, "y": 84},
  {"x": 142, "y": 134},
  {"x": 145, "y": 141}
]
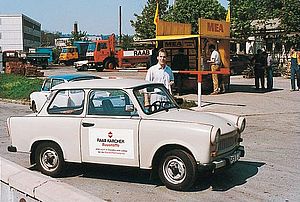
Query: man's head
[
  {"x": 181, "y": 51},
  {"x": 292, "y": 48},
  {"x": 212, "y": 47},
  {"x": 259, "y": 51},
  {"x": 162, "y": 57}
]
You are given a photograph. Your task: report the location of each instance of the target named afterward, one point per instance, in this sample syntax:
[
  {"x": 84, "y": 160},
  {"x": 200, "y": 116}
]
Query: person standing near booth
[
  {"x": 259, "y": 69},
  {"x": 294, "y": 70},
  {"x": 180, "y": 62},
  {"x": 269, "y": 72},
  {"x": 215, "y": 61}
]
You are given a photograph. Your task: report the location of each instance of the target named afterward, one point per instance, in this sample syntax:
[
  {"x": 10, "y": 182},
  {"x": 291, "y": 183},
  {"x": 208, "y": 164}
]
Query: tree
[
  {"x": 244, "y": 12},
  {"x": 48, "y": 38},
  {"x": 127, "y": 42},
  {"x": 190, "y": 11},
  {"x": 79, "y": 36},
  {"x": 143, "y": 25}
]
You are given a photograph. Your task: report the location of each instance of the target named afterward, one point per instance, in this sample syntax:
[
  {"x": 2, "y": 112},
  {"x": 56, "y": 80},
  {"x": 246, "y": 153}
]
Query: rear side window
[
  {"x": 67, "y": 102},
  {"x": 56, "y": 82},
  {"x": 47, "y": 85}
]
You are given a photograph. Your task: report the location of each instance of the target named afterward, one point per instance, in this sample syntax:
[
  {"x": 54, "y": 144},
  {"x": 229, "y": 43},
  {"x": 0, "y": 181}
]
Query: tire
[
  {"x": 85, "y": 68},
  {"x": 178, "y": 170},
  {"x": 49, "y": 159},
  {"x": 99, "y": 68},
  {"x": 110, "y": 65},
  {"x": 33, "y": 107}
]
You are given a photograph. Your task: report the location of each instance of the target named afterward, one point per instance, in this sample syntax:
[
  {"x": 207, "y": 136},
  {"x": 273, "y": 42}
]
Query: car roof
[
  {"x": 70, "y": 77},
  {"x": 102, "y": 83}
]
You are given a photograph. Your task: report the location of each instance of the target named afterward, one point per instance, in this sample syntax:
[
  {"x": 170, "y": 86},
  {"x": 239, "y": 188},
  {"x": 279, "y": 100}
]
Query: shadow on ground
[
  {"x": 236, "y": 175},
  {"x": 249, "y": 89}
]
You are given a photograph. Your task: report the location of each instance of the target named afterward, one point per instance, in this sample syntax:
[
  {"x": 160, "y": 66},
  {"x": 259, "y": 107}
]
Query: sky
[{"x": 93, "y": 16}]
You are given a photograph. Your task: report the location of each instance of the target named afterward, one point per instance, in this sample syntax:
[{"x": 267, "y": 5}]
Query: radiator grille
[{"x": 227, "y": 142}]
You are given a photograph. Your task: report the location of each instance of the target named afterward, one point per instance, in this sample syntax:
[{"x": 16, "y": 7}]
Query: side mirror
[
  {"x": 129, "y": 108},
  {"x": 179, "y": 101}
]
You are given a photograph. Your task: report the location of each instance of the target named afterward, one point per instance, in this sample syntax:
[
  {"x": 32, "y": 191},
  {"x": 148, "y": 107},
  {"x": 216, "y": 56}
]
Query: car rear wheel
[
  {"x": 49, "y": 159},
  {"x": 178, "y": 170}
]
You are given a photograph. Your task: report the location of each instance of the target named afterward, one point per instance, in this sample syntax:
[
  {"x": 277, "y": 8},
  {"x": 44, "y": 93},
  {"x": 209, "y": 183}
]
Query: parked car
[
  {"x": 239, "y": 63},
  {"x": 37, "y": 99},
  {"x": 127, "y": 122}
]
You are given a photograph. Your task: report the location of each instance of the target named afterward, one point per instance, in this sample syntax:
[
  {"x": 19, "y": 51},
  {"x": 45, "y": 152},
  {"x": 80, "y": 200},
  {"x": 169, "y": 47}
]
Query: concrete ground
[{"x": 268, "y": 172}]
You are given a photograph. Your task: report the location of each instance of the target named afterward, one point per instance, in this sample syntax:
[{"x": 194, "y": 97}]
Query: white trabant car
[{"x": 127, "y": 123}]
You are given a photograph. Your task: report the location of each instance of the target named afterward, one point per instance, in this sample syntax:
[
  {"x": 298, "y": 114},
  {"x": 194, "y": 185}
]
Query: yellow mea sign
[{"x": 214, "y": 28}]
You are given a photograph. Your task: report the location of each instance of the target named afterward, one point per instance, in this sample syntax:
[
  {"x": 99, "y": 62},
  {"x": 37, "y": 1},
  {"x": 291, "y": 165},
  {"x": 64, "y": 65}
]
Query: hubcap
[
  {"x": 49, "y": 160},
  {"x": 174, "y": 170}
]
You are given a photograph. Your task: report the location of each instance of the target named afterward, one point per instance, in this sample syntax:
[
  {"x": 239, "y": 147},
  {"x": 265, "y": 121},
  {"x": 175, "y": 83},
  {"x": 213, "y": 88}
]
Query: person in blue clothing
[
  {"x": 269, "y": 72},
  {"x": 295, "y": 72}
]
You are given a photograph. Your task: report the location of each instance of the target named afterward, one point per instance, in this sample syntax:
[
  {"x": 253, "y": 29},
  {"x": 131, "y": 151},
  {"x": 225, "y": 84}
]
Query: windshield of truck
[
  {"x": 64, "y": 50},
  {"x": 91, "y": 47},
  {"x": 68, "y": 50},
  {"x": 154, "y": 98}
]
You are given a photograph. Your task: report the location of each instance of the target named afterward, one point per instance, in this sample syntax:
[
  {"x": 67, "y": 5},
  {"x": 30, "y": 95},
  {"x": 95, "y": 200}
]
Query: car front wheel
[
  {"x": 49, "y": 159},
  {"x": 33, "y": 107},
  {"x": 178, "y": 170}
]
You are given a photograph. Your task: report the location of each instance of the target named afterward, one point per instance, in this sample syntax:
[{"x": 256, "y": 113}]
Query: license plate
[{"x": 234, "y": 158}]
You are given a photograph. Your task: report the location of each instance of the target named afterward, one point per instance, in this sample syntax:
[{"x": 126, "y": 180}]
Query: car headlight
[
  {"x": 241, "y": 123},
  {"x": 215, "y": 135}
]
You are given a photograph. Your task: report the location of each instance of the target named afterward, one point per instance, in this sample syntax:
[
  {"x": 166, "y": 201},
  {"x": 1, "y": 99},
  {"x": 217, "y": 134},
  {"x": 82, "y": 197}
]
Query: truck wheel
[
  {"x": 84, "y": 68},
  {"x": 49, "y": 159},
  {"x": 110, "y": 65},
  {"x": 99, "y": 68},
  {"x": 177, "y": 170}
]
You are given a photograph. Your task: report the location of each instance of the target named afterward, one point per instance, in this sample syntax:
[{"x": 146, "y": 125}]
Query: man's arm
[{"x": 149, "y": 75}]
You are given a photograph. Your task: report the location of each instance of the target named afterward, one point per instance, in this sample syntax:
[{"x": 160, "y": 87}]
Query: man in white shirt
[
  {"x": 215, "y": 66},
  {"x": 161, "y": 72}
]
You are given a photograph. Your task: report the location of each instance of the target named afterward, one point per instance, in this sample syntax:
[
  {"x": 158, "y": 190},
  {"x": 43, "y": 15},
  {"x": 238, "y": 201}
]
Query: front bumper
[{"x": 225, "y": 161}]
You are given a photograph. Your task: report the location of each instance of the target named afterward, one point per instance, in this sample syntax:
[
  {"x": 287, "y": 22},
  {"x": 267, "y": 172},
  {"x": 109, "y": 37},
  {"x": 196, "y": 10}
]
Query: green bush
[{"x": 18, "y": 87}]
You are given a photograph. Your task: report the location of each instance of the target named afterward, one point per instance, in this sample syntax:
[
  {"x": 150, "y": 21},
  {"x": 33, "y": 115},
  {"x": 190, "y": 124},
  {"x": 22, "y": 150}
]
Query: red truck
[{"x": 103, "y": 54}]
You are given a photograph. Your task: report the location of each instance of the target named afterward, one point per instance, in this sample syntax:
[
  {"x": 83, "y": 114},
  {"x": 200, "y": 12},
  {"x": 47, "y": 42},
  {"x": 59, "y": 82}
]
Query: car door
[
  {"x": 109, "y": 132},
  {"x": 63, "y": 122}
]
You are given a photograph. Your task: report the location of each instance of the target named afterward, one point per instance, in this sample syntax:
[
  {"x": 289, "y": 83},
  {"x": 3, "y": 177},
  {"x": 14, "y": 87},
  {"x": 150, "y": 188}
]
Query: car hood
[{"x": 226, "y": 122}]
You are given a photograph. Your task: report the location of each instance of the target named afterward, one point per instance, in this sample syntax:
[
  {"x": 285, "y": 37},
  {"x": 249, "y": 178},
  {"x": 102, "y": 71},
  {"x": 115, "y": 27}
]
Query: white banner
[{"x": 113, "y": 143}]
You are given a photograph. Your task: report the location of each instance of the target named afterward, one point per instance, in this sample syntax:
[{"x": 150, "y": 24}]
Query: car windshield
[{"x": 154, "y": 98}]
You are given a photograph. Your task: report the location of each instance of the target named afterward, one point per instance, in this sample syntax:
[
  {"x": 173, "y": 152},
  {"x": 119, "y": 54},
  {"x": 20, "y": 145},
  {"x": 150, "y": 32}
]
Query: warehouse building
[{"x": 19, "y": 32}]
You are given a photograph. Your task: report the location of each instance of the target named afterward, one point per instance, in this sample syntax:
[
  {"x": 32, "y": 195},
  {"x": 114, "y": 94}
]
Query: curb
[
  {"x": 23, "y": 102},
  {"x": 38, "y": 186}
]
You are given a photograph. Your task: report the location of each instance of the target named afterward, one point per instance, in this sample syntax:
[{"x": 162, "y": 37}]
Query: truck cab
[{"x": 68, "y": 55}]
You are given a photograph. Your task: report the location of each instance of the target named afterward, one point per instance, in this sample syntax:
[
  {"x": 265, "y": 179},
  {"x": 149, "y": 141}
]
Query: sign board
[
  {"x": 111, "y": 143},
  {"x": 187, "y": 43},
  {"x": 173, "y": 28},
  {"x": 214, "y": 28}
]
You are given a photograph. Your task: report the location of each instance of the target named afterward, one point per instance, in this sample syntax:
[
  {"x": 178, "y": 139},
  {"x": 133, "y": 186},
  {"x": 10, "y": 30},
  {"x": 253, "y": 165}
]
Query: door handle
[{"x": 87, "y": 124}]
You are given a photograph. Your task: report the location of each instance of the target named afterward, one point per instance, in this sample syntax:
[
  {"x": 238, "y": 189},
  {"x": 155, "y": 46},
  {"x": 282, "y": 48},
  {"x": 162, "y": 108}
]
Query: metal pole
[
  {"x": 120, "y": 25},
  {"x": 199, "y": 95}
]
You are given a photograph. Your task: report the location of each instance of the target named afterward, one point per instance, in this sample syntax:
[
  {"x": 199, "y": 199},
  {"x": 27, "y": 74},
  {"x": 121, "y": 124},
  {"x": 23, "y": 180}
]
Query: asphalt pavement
[{"x": 270, "y": 171}]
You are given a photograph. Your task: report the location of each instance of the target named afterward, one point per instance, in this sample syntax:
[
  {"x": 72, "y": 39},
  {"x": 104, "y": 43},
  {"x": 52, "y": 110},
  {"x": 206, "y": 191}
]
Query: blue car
[{"x": 37, "y": 99}]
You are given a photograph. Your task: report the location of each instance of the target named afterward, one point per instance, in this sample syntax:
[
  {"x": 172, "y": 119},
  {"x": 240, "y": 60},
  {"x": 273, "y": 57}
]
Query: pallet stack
[{"x": 20, "y": 68}]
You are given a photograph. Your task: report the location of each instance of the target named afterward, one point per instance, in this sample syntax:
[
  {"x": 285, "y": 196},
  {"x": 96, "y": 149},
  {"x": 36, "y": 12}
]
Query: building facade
[{"x": 19, "y": 32}]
